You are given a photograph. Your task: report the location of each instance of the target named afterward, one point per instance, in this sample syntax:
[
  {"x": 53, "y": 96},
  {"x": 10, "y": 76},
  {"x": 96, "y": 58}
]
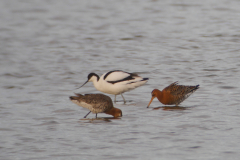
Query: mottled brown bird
[
  {"x": 173, "y": 94},
  {"x": 96, "y": 103}
]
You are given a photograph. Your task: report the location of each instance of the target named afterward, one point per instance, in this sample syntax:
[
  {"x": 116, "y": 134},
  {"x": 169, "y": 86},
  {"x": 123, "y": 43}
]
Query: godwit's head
[
  {"x": 115, "y": 112},
  {"x": 91, "y": 78},
  {"x": 154, "y": 94}
]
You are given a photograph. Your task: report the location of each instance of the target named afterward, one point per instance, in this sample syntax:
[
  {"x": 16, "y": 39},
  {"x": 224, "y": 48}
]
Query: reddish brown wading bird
[
  {"x": 96, "y": 103},
  {"x": 173, "y": 94}
]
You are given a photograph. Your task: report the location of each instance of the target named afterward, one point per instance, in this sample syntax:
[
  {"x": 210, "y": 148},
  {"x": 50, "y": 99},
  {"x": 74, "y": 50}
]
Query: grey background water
[{"x": 48, "y": 47}]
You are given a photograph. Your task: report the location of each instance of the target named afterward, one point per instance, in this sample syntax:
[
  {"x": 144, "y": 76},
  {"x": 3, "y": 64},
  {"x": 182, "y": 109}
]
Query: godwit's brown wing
[
  {"x": 180, "y": 92},
  {"x": 97, "y": 103}
]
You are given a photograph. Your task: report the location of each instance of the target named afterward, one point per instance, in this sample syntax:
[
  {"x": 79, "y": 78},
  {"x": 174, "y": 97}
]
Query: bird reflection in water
[
  {"x": 170, "y": 108},
  {"x": 98, "y": 120}
]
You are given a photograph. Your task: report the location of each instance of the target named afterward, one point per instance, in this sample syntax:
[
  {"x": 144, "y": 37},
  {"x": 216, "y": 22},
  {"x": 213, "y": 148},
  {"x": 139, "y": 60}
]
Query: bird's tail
[
  {"x": 75, "y": 97},
  {"x": 145, "y": 79},
  {"x": 195, "y": 88}
]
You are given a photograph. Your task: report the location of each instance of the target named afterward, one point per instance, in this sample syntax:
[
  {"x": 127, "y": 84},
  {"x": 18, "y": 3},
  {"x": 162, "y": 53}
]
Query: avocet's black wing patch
[
  {"x": 112, "y": 72},
  {"x": 125, "y": 79}
]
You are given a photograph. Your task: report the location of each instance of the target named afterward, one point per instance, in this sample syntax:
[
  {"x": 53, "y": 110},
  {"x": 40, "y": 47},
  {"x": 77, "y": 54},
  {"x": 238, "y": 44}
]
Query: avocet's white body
[{"x": 116, "y": 82}]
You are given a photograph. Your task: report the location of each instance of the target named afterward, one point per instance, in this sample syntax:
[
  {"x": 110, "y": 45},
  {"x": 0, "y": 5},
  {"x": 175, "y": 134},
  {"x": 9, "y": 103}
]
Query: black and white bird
[{"x": 116, "y": 82}]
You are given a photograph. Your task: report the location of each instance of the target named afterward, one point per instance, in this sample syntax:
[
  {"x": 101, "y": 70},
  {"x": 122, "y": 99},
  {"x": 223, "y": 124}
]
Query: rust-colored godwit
[
  {"x": 173, "y": 94},
  {"x": 96, "y": 103}
]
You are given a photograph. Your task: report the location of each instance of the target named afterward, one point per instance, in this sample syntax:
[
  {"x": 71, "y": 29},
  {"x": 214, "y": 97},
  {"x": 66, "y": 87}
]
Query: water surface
[{"x": 49, "y": 47}]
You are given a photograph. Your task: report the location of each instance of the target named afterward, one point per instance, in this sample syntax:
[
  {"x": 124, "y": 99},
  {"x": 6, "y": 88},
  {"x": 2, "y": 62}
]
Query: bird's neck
[
  {"x": 159, "y": 95},
  {"x": 95, "y": 80},
  {"x": 96, "y": 83}
]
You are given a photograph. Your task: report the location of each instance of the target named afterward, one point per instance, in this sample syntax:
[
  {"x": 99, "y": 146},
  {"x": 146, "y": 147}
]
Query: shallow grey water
[{"x": 49, "y": 47}]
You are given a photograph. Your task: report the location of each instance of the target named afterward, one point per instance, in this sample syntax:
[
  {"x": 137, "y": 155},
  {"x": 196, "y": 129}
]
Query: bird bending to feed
[
  {"x": 116, "y": 82},
  {"x": 96, "y": 103},
  {"x": 173, "y": 94}
]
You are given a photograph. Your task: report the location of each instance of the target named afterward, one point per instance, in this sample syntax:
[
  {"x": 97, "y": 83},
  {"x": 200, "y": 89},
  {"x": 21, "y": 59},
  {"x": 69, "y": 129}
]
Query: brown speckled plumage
[{"x": 96, "y": 103}]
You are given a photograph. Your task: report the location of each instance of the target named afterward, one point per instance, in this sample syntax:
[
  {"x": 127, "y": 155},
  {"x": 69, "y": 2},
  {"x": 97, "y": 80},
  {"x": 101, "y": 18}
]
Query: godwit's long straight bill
[{"x": 150, "y": 102}]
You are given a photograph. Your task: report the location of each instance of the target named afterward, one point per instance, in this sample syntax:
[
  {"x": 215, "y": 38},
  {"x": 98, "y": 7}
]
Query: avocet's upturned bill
[{"x": 116, "y": 82}]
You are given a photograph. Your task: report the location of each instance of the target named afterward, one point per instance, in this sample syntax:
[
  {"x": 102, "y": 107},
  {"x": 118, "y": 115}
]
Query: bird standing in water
[
  {"x": 116, "y": 82},
  {"x": 96, "y": 103},
  {"x": 173, "y": 94}
]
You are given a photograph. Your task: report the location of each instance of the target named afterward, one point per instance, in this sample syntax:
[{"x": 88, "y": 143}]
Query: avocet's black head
[
  {"x": 92, "y": 75},
  {"x": 89, "y": 78}
]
